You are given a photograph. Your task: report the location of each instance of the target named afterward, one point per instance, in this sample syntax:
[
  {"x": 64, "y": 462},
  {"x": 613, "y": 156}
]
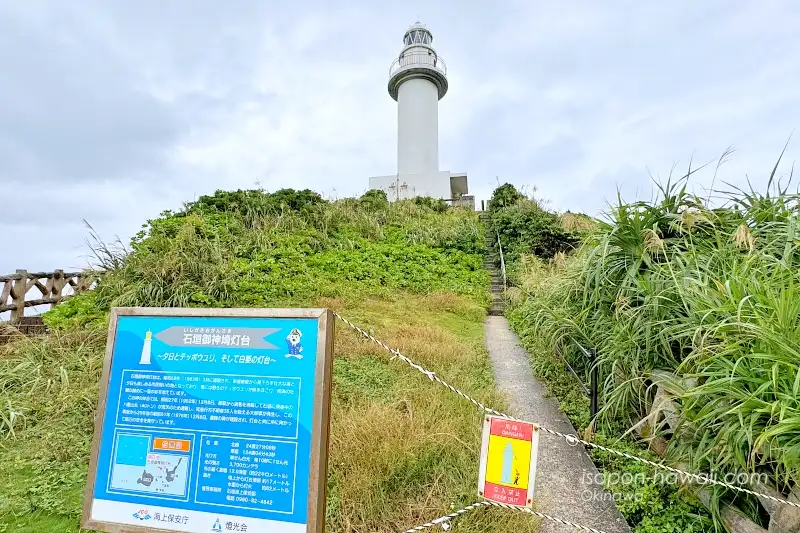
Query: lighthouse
[
  {"x": 146, "y": 349},
  {"x": 417, "y": 81}
]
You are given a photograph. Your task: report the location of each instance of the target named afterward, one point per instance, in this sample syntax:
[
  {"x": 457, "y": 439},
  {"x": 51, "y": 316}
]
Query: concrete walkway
[{"x": 567, "y": 482}]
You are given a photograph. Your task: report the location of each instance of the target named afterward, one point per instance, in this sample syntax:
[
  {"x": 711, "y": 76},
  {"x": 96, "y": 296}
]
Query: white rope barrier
[{"x": 572, "y": 440}]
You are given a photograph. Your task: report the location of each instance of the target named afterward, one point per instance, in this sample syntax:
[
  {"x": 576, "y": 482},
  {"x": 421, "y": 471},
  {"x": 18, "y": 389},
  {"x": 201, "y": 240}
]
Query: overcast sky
[{"x": 113, "y": 111}]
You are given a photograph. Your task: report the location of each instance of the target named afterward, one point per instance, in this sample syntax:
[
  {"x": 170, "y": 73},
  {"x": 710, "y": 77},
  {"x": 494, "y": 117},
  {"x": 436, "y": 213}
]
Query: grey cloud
[
  {"x": 34, "y": 248},
  {"x": 70, "y": 111},
  {"x": 137, "y": 106},
  {"x": 596, "y": 197},
  {"x": 57, "y": 205}
]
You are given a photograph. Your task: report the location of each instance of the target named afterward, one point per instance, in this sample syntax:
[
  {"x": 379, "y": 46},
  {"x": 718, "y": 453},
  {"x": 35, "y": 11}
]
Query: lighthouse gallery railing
[{"x": 412, "y": 59}]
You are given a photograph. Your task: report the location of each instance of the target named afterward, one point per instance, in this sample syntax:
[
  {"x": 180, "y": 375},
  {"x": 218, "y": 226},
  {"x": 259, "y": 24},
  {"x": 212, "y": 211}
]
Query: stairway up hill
[{"x": 490, "y": 262}]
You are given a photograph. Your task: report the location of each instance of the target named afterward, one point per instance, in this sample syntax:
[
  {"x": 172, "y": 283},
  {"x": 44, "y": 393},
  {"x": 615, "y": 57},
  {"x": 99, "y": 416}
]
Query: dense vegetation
[
  {"x": 248, "y": 248},
  {"x": 707, "y": 295},
  {"x": 525, "y": 227},
  {"x": 402, "y": 452}
]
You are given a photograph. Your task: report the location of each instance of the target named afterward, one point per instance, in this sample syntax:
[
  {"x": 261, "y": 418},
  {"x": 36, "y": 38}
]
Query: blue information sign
[{"x": 212, "y": 420}]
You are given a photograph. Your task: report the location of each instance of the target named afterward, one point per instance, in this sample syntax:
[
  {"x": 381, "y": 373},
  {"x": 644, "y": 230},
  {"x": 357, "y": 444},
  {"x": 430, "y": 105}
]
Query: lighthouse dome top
[
  {"x": 417, "y": 33},
  {"x": 418, "y": 60}
]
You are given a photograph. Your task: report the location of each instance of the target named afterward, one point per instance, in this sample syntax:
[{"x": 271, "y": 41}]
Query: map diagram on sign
[{"x": 139, "y": 466}]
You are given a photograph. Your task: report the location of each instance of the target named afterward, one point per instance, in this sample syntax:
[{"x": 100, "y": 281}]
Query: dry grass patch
[{"x": 404, "y": 450}]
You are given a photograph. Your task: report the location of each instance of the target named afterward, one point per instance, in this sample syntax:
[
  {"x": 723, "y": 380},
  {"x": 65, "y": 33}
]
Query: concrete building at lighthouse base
[{"x": 441, "y": 184}]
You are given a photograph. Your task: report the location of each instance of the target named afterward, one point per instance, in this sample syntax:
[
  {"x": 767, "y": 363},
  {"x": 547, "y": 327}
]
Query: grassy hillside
[
  {"x": 403, "y": 451},
  {"x": 707, "y": 294}
]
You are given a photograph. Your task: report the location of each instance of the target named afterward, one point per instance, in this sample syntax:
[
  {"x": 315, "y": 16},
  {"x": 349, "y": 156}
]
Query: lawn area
[{"x": 403, "y": 450}]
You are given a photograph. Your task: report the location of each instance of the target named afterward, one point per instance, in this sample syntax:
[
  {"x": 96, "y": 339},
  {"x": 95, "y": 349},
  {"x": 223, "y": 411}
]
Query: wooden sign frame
[{"x": 318, "y": 464}]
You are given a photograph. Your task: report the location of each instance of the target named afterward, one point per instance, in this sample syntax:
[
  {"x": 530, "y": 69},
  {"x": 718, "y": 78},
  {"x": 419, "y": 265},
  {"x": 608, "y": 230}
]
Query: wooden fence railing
[{"x": 51, "y": 285}]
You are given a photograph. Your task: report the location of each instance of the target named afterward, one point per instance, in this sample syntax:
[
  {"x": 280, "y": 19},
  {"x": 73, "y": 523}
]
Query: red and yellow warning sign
[{"x": 508, "y": 461}]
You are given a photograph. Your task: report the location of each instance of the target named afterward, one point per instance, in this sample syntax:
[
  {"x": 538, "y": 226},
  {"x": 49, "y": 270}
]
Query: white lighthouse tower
[{"x": 417, "y": 81}]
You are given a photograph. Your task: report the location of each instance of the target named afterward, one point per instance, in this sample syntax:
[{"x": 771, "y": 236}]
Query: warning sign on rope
[{"x": 508, "y": 461}]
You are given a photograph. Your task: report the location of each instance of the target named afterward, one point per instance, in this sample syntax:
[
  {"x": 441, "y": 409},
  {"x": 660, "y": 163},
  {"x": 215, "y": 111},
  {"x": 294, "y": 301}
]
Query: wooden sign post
[{"x": 212, "y": 420}]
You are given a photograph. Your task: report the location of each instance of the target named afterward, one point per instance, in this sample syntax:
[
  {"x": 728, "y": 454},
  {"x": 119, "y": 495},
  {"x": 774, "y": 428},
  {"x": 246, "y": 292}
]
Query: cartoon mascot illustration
[{"x": 293, "y": 343}]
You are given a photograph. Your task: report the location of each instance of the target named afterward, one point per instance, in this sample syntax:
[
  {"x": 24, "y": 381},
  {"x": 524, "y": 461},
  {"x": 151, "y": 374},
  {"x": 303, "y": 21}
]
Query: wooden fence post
[
  {"x": 58, "y": 285},
  {"x": 18, "y": 296}
]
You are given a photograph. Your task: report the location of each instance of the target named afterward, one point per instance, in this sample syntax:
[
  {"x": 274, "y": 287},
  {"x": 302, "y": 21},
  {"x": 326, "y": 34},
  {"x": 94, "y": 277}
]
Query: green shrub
[
  {"x": 374, "y": 200},
  {"x": 503, "y": 196},
  {"x": 526, "y": 228},
  {"x": 647, "y": 503},
  {"x": 77, "y": 312},
  {"x": 251, "y": 203},
  {"x": 437, "y": 205}
]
